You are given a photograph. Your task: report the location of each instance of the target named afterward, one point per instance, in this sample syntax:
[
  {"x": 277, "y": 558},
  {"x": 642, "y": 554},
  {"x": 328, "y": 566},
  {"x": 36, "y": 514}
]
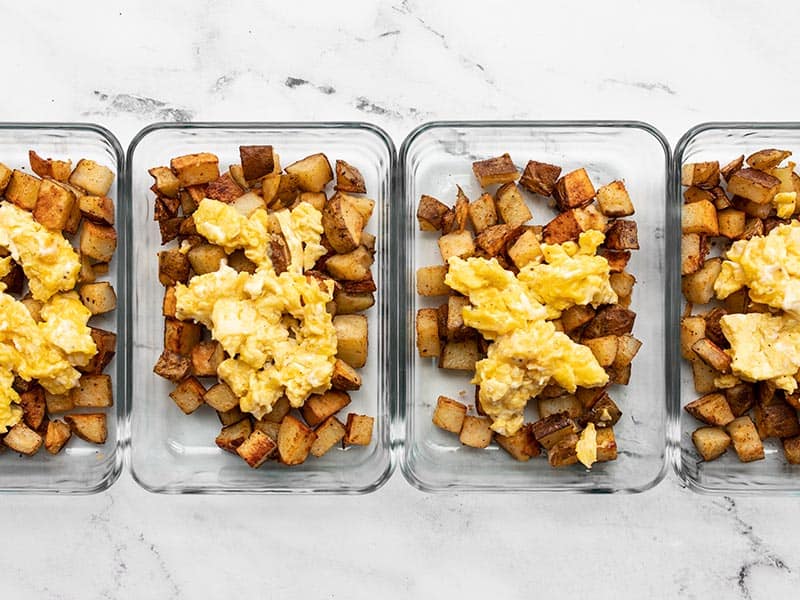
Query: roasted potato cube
[
  {"x": 711, "y": 409},
  {"x": 568, "y": 404},
  {"x": 256, "y": 449},
  {"x": 731, "y": 223},
  {"x": 221, "y": 398},
  {"x": 622, "y": 235},
  {"x": 482, "y": 213},
  {"x": 614, "y": 201},
  {"x": 791, "y": 449},
  {"x": 294, "y": 441},
  {"x": 95, "y": 208},
  {"x": 330, "y": 433},
  {"x": 319, "y": 407},
  {"x": 93, "y": 391},
  {"x": 206, "y": 258},
  {"x": 313, "y": 172},
  {"x": 56, "y": 169},
  {"x": 622, "y": 283},
  {"x": 92, "y": 177},
  {"x": 574, "y": 190},
  {"x": 603, "y": 413},
  {"x": 352, "y": 266},
  {"x": 279, "y": 410},
  {"x": 521, "y": 445},
  {"x": 604, "y": 349},
  {"x": 239, "y": 262},
  {"x": 740, "y": 398},
  {"x": 712, "y": 355},
  {"x": 98, "y": 242},
  {"x": 106, "y": 342},
  {"x": 54, "y": 205},
  {"x": 589, "y": 217},
  {"x": 752, "y": 227},
  {"x": 776, "y": 420},
  {"x": 700, "y": 217},
  {"x": 550, "y": 430},
  {"x": 206, "y": 358},
  {"x": 610, "y": 320},
  {"x": 234, "y": 435},
  {"x": 499, "y": 169},
  {"x": 754, "y": 185},
  {"x": 172, "y": 366},
  {"x": 431, "y": 213},
  {"x": 493, "y": 240},
  {"x": 458, "y": 243},
  {"x": 343, "y": 224},
  {"x": 606, "y": 445},
  {"x": 58, "y": 403},
  {"x": 428, "y": 343},
  {"x": 23, "y": 439},
  {"x": 617, "y": 259},
  {"x": 695, "y": 194},
  {"x": 5, "y": 177},
  {"x": 456, "y": 219},
  {"x": 563, "y": 453},
  {"x": 188, "y": 395},
  {"x": 170, "y": 229},
  {"x": 23, "y": 190},
  {"x": 363, "y": 205},
  {"x": 627, "y": 349},
  {"x": 459, "y": 355},
  {"x": 449, "y": 414},
  {"x": 257, "y": 161},
  {"x": 576, "y": 316},
  {"x": 345, "y": 377},
  {"x": 352, "y": 339},
  {"x": 698, "y": 288},
  {"x": 711, "y": 442},
  {"x": 764, "y": 160},
  {"x": 540, "y": 178},
  {"x": 181, "y": 336},
  {"x": 476, "y": 432},
  {"x": 349, "y": 179},
  {"x": 525, "y": 249},
  {"x": 721, "y": 200},
  {"x": 563, "y": 228},
  {"x": 358, "y": 430},
  {"x": 693, "y": 252},
  {"x": 704, "y": 377},
  {"x": 166, "y": 183},
  {"x": 195, "y": 169},
  {"x": 745, "y": 439},
  {"x": 348, "y": 303},
  {"x": 58, "y": 434},
  {"x": 99, "y": 298},
  {"x": 703, "y": 174},
  {"x": 511, "y": 205},
  {"x": 170, "y": 303},
  {"x": 224, "y": 189},
  {"x": 269, "y": 188},
  {"x": 267, "y": 427},
  {"x": 173, "y": 267},
  {"x": 456, "y": 329},
  {"x": 231, "y": 417},
  {"x": 430, "y": 281},
  {"x": 34, "y": 407},
  {"x": 90, "y": 427},
  {"x": 732, "y": 167}
]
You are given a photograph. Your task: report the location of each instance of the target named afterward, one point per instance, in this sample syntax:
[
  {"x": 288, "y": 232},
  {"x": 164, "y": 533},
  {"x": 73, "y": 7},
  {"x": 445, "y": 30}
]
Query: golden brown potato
[
  {"x": 754, "y": 185},
  {"x": 564, "y": 452},
  {"x": 106, "y": 342},
  {"x": 173, "y": 267},
  {"x": 34, "y": 407},
  {"x": 698, "y": 288},
  {"x": 428, "y": 343},
  {"x": 459, "y": 355},
  {"x": 700, "y": 217},
  {"x": 604, "y": 412},
  {"x": 99, "y": 298},
  {"x": 224, "y": 189},
  {"x": 206, "y": 358},
  {"x": 343, "y": 224},
  {"x": 610, "y": 320},
  {"x": 294, "y": 441},
  {"x": 313, "y": 172},
  {"x": 732, "y": 167},
  {"x": 511, "y": 205},
  {"x": 172, "y": 366},
  {"x": 764, "y": 160},
  {"x": 206, "y": 258},
  {"x": 525, "y": 249},
  {"x": 712, "y": 355},
  {"x": 166, "y": 183},
  {"x": 567, "y": 403},
  {"x": 48, "y": 167},
  {"x": 351, "y": 339},
  {"x": 58, "y": 434},
  {"x": 604, "y": 349},
  {"x": 188, "y": 395},
  {"x": 90, "y": 427},
  {"x": 693, "y": 252},
  {"x": 345, "y": 377},
  {"x": 449, "y": 414},
  {"x": 23, "y": 190},
  {"x": 499, "y": 169},
  {"x": 23, "y": 439},
  {"x": 711, "y": 442},
  {"x": 54, "y": 205},
  {"x": 96, "y": 208},
  {"x": 458, "y": 243},
  {"x": 220, "y": 397},
  {"x": 745, "y": 439},
  {"x": 574, "y": 190},
  {"x": 522, "y": 446},
  {"x": 195, "y": 169},
  {"x": 257, "y": 161},
  {"x": 562, "y": 228},
  {"x": 93, "y": 391},
  {"x": 318, "y": 407},
  {"x": 92, "y": 177},
  {"x": 703, "y": 174},
  {"x": 476, "y": 432},
  {"x": 731, "y": 223},
  {"x": 540, "y": 178},
  {"x": 349, "y": 179},
  {"x": 711, "y": 409},
  {"x": 330, "y": 433},
  {"x": 98, "y": 242},
  {"x": 352, "y": 266},
  {"x": 431, "y": 213},
  {"x": 777, "y": 420},
  {"x": 358, "y": 430},
  {"x": 622, "y": 235},
  {"x": 5, "y": 177},
  {"x": 256, "y": 449},
  {"x": 181, "y": 336},
  {"x": 482, "y": 212},
  {"x": 234, "y": 435},
  {"x": 549, "y": 430},
  {"x": 614, "y": 201}
]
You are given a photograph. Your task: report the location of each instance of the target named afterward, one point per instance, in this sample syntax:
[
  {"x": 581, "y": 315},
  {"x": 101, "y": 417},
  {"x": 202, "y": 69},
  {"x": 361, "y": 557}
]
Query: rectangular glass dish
[
  {"x": 80, "y": 467},
  {"x": 726, "y": 475},
  {"x": 175, "y": 453},
  {"x": 436, "y": 157}
]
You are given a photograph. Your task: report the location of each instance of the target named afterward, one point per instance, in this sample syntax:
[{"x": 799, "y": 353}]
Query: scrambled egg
[
  {"x": 270, "y": 355},
  {"x": 785, "y": 203},
  {"x": 769, "y": 265},
  {"x": 47, "y": 258},
  {"x": 586, "y": 447},
  {"x": 528, "y": 351},
  {"x": 764, "y": 347}
]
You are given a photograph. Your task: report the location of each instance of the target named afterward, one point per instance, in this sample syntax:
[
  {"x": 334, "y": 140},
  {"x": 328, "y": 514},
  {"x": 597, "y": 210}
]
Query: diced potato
[
  {"x": 195, "y": 169},
  {"x": 313, "y": 172},
  {"x": 166, "y": 183},
  {"x": 610, "y": 320},
  {"x": 348, "y": 302},
  {"x": 606, "y": 445},
  {"x": 603, "y": 413},
  {"x": 234, "y": 435},
  {"x": 712, "y": 355},
  {"x": 206, "y": 358},
  {"x": 294, "y": 441},
  {"x": 256, "y": 449},
  {"x": 431, "y": 213},
  {"x": 521, "y": 445},
  {"x": 740, "y": 398},
  {"x": 711, "y": 442},
  {"x": 732, "y": 167},
  {"x": 499, "y": 169},
  {"x": 55, "y": 169},
  {"x": 98, "y": 242},
  {"x": 698, "y": 288},
  {"x": 456, "y": 219},
  {"x": 345, "y": 377},
  {"x": 627, "y": 349},
  {"x": 99, "y": 297},
  {"x": 700, "y": 217},
  {"x": 449, "y": 414},
  {"x": 58, "y": 434},
  {"x": 576, "y": 316},
  {"x": 704, "y": 377},
  {"x": 279, "y": 410},
  {"x": 459, "y": 355},
  {"x": 562, "y": 228},
  {"x": 343, "y": 224},
  {"x": 604, "y": 349},
  {"x": 711, "y": 409},
  {"x": 731, "y": 223},
  {"x": 745, "y": 439},
  {"x": 693, "y": 252},
  {"x": 5, "y": 177},
  {"x": 476, "y": 432},
  {"x": 188, "y": 395},
  {"x": 511, "y": 205},
  {"x": 257, "y": 161},
  {"x": 764, "y": 160},
  {"x": 574, "y": 190},
  {"x": 240, "y": 263},
  {"x": 172, "y": 366},
  {"x": 622, "y": 235},
  {"x": 54, "y": 205},
  {"x": 458, "y": 243},
  {"x": 181, "y": 336},
  {"x": 23, "y": 190},
  {"x": 428, "y": 343},
  {"x": 224, "y": 189},
  {"x": 791, "y": 450},
  {"x": 549, "y": 430},
  {"x": 564, "y": 452},
  {"x": 358, "y": 430},
  {"x": 363, "y": 205},
  {"x": 206, "y": 258},
  {"x": 330, "y": 433},
  {"x": 568, "y": 404},
  {"x": 232, "y": 416},
  {"x": 173, "y": 267},
  {"x": 23, "y": 439},
  {"x": 352, "y": 339},
  {"x": 483, "y": 213},
  {"x": 622, "y": 283},
  {"x": 319, "y": 407},
  {"x": 106, "y": 342},
  {"x": 90, "y": 427},
  {"x": 349, "y": 179},
  {"x": 352, "y": 266},
  {"x": 754, "y": 185},
  {"x": 695, "y": 194},
  {"x": 220, "y": 397},
  {"x": 614, "y": 201},
  {"x": 525, "y": 249},
  {"x": 777, "y": 420},
  {"x": 93, "y": 391},
  {"x": 34, "y": 407},
  {"x": 493, "y": 240},
  {"x": 721, "y": 200},
  {"x": 317, "y": 200},
  {"x": 589, "y": 217},
  {"x": 96, "y": 208},
  {"x": 430, "y": 281},
  {"x": 95, "y": 178},
  {"x": 540, "y": 178},
  {"x": 703, "y": 174},
  {"x": 693, "y": 329}
]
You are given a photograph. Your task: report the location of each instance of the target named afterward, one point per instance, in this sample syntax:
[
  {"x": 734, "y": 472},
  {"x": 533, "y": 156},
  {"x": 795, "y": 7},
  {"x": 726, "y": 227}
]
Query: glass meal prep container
[
  {"x": 171, "y": 452},
  {"x": 80, "y": 467},
  {"x": 725, "y": 475},
  {"x": 433, "y": 160}
]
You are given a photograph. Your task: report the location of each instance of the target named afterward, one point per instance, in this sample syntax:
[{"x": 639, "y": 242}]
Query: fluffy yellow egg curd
[
  {"x": 275, "y": 328},
  {"x": 527, "y": 351}
]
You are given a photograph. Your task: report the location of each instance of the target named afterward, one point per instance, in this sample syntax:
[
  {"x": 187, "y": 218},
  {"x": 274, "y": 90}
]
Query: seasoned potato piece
[
  {"x": 695, "y": 194},
  {"x": 499, "y": 169},
  {"x": 455, "y": 327},
  {"x": 351, "y": 302},
  {"x": 343, "y": 224},
  {"x": 206, "y": 358},
  {"x": 731, "y": 223},
  {"x": 195, "y": 169},
  {"x": 99, "y": 298},
  {"x": 449, "y": 414},
  {"x": 23, "y": 439},
  {"x": 563, "y": 228},
  {"x": 493, "y": 240},
  {"x": 483, "y": 212},
  {"x": 712, "y": 355},
  {"x": 257, "y": 161},
  {"x": 604, "y": 349},
  {"x": 48, "y": 167},
  {"x": 345, "y": 377},
  {"x": 745, "y": 439},
  {"x": 764, "y": 160},
  {"x": 754, "y": 185},
  {"x": 98, "y": 242},
  {"x": 166, "y": 183},
  {"x": 106, "y": 342},
  {"x": 294, "y": 441},
  {"x": 256, "y": 449},
  {"x": 720, "y": 200},
  {"x": 430, "y": 281},
  {"x": 568, "y": 404},
  {"x": 622, "y": 235},
  {"x": 458, "y": 243},
  {"x": 603, "y": 413},
  {"x": 313, "y": 172},
  {"x": 693, "y": 329},
  {"x": 740, "y": 398},
  {"x": 693, "y": 252},
  {"x": 456, "y": 219},
  {"x": 224, "y": 189},
  {"x": 358, "y": 430},
  {"x": 173, "y": 267},
  {"x": 23, "y": 190},
  {"x": 279, "y": 410},
  {"x": 95, "y": 208},
  {"x": 700, "y": 217},
  {"x": 564, "y": 452},
  {"x": 511, "y": 205},
  {"x": 732, "y": 167},
  {"x": 521, "y": 445},
  {"x": 5, "y": 177},
  {"x": 550, "y": 430},
  {"x": 352, "y": 266},
  {"x": 231, "y": 417},
  {"x": 776, "y": 420},
  {"x": 704, "y": 377},
  {"x": 576, "y": 316},
  {"x": 540, "y": 178},
  {"x": 614, "y": 201},
  {"x": 703, "y": 174},
  {"x": 627, "y": 349},
  {"x": 92, "y": 177},
  {"x": 34, "y": 407},
  {"x": 206, "y": 258},
  {"x": 525, "y": 249},
  {"x": 54, "y": 205},
  {"x": 172, "y": 366},
  {"x": 698, "y": 288},
  {"x": 188, "y": 395},
  {"x": 319, "y": 407},
  {"x": 574, "y": 190},
  {"x": 459, "y": 355},
  {"x": 220, "y": 397},
  {"x": 589, "y": 217},
  {"x": 428, "y": 344},
  {"x": 90, "y": 427},
  {"x": 181, "y": 336},
  {"x": 476, "y": 432},
  {"x": 610, "y": 320},
  {"x": 622, "y": 283},
  {"x": 431, "y": 213},
  {"x": 351, "y": 339},
  {"x": 93, "y": 391},
  {"x": 234, "y": 435},
  {"x": 711, "y": 409},
  {"x": 349, "y": 179},
  {"x": 711, "y": 442},
  {"x": 330, "y": 433},
  {"x": 58, "y": 434}
]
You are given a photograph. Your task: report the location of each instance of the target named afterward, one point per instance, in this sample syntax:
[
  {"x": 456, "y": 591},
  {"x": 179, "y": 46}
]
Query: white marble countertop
[{"x": 398, "y": 66}]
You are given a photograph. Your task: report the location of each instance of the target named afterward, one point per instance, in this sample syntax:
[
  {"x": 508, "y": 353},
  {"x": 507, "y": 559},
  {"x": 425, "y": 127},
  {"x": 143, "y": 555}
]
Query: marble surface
[{"x": 397, "y": 65}]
